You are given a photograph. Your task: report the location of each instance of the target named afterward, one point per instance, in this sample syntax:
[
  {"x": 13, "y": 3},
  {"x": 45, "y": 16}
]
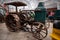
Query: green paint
[{"x": 40, "y": 16}]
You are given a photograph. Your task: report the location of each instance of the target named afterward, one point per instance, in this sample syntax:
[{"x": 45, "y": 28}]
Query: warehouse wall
[
  {"x": 49, "y": 3},
  {"x": 32, "y": 4}
]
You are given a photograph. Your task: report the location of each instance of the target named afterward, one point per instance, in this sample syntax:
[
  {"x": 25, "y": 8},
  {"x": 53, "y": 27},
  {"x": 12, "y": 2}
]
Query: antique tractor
[{"x": 29, "y": 20}]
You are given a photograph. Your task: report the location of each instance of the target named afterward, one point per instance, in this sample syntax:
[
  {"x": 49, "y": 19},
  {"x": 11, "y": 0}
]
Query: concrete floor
[{"x": 6, "y": 35}]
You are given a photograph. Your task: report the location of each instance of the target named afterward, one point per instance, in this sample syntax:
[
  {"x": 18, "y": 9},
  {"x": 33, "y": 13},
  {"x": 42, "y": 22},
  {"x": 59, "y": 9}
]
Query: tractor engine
[
  {"x": 28, "y": 16},
  {"x": 26, "y": 19}
]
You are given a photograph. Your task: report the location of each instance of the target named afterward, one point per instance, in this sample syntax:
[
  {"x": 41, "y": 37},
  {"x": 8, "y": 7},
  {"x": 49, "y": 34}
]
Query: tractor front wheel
[{"x": 40, "y": 31}]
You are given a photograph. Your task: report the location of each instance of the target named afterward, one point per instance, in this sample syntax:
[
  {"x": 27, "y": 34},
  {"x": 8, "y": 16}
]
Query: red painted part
[
  {"x": 51, "y": 14},
  {"x": 5, "y": 6}
]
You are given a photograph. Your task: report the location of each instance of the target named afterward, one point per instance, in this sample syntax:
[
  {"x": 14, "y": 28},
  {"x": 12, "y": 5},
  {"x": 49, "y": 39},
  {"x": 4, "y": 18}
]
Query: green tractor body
[{"x": 40, "y": 13}]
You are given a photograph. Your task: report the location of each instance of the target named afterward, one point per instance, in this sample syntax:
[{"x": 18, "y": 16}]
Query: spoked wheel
[
  {"x": 12, "y": 22},
  {"x": 40, "y": 31}
]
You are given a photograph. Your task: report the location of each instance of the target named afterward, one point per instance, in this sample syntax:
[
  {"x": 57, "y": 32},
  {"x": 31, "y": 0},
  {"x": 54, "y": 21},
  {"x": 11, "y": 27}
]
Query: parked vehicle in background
[{"x": 2, "y": 14}]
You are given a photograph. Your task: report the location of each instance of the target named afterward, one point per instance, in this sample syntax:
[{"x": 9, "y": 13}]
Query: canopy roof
[{"x": 16, "y": 4}]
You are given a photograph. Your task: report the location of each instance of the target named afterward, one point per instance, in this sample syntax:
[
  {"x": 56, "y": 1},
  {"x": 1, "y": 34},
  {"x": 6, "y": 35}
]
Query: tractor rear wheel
[{"x": 12, "y": 22}]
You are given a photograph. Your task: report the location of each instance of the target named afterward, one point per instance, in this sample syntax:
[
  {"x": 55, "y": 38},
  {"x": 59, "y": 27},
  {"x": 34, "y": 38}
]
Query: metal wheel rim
[{"x": 39, "y": 33}]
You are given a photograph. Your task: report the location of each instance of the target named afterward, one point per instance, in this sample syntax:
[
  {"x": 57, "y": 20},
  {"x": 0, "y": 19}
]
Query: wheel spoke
[
  {"x": 41, "y": 35},
  {"x": 43, "y": 32}
]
